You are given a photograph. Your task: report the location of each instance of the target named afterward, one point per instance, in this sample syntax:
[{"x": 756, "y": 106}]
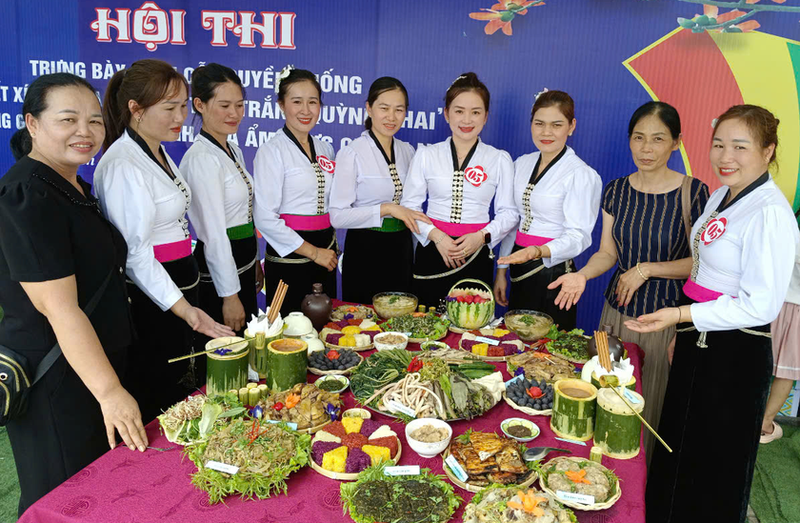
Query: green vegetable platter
[
  {"x": 420, "y": 327},
  {"x": 376, "y": 497},
  {"x": 571, "y": 345},
  {"x": 192, "y": 420},
  {"x": 398, "y": 384},
  {"x": 249, "y": 458}
]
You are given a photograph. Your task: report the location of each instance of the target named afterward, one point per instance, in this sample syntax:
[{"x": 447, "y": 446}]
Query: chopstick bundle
[
  {"x": 603, "y": 356},
  {"x": 277, "y": 301}
]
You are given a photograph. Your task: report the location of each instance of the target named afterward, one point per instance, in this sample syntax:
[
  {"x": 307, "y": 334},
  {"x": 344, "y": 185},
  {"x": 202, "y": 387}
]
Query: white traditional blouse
[
  {"x": 563, "y": 205},
  {"x": 286, "y": 183},
  {"x": 363, "y": 182},
  {"x": 747, "y": 253},
  {"x": 488, "y": 175},
  {"x": 222, "y": 197},
  {"x": 148, "y": 207}
]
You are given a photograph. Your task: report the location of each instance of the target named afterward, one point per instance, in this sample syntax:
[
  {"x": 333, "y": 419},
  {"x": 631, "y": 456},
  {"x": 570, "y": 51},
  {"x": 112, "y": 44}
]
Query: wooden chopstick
[
  {"x": 603, "y": 356},
  {"x": 275, "y": 296},
  {"x": 280, "y": 294}
]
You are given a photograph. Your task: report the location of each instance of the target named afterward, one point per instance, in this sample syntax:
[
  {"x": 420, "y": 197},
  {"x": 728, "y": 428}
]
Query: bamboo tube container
[
  {"x": 226, "y": 371},
  {"x": 574, "y": 406}
]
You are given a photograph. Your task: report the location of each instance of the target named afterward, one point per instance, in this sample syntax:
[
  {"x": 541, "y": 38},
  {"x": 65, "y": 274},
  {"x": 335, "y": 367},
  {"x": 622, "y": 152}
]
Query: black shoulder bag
[{"x": 15, "y": 381}]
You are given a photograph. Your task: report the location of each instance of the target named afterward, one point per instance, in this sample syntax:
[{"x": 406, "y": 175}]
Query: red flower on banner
[{"x": 501, "y": 14}]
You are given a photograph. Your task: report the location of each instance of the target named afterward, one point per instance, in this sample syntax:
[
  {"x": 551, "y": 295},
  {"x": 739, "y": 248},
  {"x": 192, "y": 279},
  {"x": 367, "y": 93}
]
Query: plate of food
[
  {"x": 333, "y": 361},
  {"x": 539, "y": 365},
  {"x": 532, "y": 397},
  {"x": 571, "y": 345},
  {"x": 344, "y": 448},
  {"x": 581, "y": 476},
  {"x": 491, "y": 344},
  {"x": 377, "y": 496},
  {"x": 304, "y": 404},
  {"x": 255, "y": 458},
  {"x": 515, "y": 504},
  {"x": 393, "y": 304},
  {"x": 352, "y": 334},
  {"x": 487, "y": 458},
  {"x": 193, "y": 419},
  {"x": 398, "y": 384},
  {"x": 529, "y": 325},
  {"x": 352, "y": 312},
  {"x": 419, "y": 326}
]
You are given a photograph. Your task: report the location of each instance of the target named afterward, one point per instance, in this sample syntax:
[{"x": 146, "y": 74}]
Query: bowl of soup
[
  {"x": 394, "y": 304},
  {"x": 529, "y": 325}
]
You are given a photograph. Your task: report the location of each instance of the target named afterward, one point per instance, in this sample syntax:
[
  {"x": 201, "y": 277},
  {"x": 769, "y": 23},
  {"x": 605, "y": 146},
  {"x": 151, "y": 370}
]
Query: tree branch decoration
[
  {"x": 500, "y": 15},
  {"x": 735, "y": 21}
]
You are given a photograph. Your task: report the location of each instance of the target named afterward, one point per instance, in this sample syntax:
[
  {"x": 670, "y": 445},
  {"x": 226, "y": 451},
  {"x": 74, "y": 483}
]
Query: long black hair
[{"x": 380, "y": 86}]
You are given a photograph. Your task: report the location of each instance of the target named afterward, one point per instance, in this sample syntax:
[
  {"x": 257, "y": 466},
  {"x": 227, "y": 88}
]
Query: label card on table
[
  {"x": 490, "y": 341},
  {"x": 577, "y": 498},
  {"x": 408, "y": 470},
  {"x": 458, "y": 472},
  {"x": 396, "y": 406},
  {"x": 630, "y": 397},
  {"x": 222, "y": 467},
  {"x": 576, "y": 442}
]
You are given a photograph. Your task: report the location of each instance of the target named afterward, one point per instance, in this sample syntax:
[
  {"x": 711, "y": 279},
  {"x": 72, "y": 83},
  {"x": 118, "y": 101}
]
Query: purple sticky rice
[
  {"x": 334, "y": 338},
  {"x": 369, "y": 426},
  {"x": 468, "y": 344},
  {"x": 319, "y": 448},
  {"x": 511, "y": 336},
  {"x": 357, "y": 460}
]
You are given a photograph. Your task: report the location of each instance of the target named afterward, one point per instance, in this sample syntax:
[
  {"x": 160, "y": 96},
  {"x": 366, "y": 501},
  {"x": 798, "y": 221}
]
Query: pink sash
[
  {"x": 300, "y": 222},
  {"x": 458, "y": 229},
  {"x": 699, "y": 293},
  {"x": 167, "y": 252},
  {"x": 528, "y": 240}
]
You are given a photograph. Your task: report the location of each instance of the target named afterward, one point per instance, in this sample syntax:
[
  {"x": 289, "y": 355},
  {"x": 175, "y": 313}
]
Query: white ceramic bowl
[
  {"x": 314, "y": 343},
  {"x": 390, "y": 346},
  {"x": 357, "y": 413},
  {"x": 297, "y": 325},
  {"x": 428, "y": 450},
  {"x": 337, "y": 377},
  {"x": 533, "y": 427}
]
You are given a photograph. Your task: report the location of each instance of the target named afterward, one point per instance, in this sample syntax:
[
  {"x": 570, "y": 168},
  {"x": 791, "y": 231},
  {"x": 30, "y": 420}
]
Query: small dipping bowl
[
  {"x": 389, "y": 346},
  {"x": 433, "y": 345},
  {"x": 428, "y": 450},
  {"x": 297, "y": 325},
  {"x": 357, "y": 413},
  {"x": 334, "y": 377},
  {"x": 513, "y": 422}
]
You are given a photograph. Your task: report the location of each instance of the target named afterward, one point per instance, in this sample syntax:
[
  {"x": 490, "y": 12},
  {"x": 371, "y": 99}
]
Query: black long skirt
[
  {"x": 300, "y": 277},
  {"x": 428, "y": 261},
  {"x": 162, "y": 335},
  {"x": 714, "y": 405},
  {"x": 245, "y": 252},
  {"x": 62, "y": 431},
  {"x": 374, "y": 262},
  {"x": 532, "y": 292}
]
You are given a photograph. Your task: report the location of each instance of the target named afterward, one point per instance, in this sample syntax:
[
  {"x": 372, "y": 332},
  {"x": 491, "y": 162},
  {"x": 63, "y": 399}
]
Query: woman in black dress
[{"x": 56, "y": 251}]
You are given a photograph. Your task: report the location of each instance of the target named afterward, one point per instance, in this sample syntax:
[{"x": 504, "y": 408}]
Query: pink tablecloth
[{"x": 125, "y": 486}]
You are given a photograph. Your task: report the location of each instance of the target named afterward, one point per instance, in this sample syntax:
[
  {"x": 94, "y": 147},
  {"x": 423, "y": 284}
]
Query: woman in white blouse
[
  {"x": 557, "y": 198},
  {"x": 365, "y": 199},
  {"x": 743, "y": 250},
  {"x": 459, "y": 178},
  {"x": 143, "y": 194},
  {"x": 293, "y": 172},
  {"x": 221, "y": 211}
]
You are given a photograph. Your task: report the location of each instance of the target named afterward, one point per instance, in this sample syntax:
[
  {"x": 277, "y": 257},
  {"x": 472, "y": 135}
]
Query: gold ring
[{"x": 464, "y": 252}]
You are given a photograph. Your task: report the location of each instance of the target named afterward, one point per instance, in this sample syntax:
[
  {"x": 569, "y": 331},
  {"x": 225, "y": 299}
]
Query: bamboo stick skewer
[
  {"x": 209, "y": 351},
  {"x": 651, "y": 429}
]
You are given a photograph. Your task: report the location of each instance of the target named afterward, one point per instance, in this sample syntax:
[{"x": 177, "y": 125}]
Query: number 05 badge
[
  {"x": 325, "y": 164},
  {"x": 476, "y": 175},
  {"x": 714, "y": 230}
]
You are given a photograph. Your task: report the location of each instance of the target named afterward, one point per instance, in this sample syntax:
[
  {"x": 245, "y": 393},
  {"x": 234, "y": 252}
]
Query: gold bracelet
[{"x": 639, "y": 270}]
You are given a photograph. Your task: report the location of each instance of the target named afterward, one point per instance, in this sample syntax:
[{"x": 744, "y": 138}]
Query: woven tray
[
  {"x": 578, "y": 506},
  {"x": 343, "y": 476},
  {"x": 527, "y": 410},
  {"x": 344, "y": 372},
  {"x": 485, "y": 358},
  {"x": 477, "y": 488}
]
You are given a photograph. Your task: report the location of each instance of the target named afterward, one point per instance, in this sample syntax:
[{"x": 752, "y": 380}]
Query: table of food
[{"x": 387, "y": 413}]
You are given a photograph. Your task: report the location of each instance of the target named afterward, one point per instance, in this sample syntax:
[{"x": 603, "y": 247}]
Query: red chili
[
  {"x": 278, "y": 406},
  {"x": 332, "y": 355},
  {"x": 415, "y": 364},
  {"x": 535, "y": 392}
]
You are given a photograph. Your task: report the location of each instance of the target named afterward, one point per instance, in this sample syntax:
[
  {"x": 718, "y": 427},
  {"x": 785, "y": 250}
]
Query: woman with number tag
[
  {"x": 459, "y": 177},
  {"x": 365, "y": 199},
  {"x": 143, "y": 193},
  {"x": 557, "y": 197},
  {"x": 293, "y": 172},
  {"x": 743, "y": 252},
  {"x": 222, "y": 200}
]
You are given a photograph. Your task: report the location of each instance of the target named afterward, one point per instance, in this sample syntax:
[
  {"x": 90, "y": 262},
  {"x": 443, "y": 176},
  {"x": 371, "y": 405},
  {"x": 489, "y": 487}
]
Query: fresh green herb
[
  {"x": 393, "y": 299},
  {"x": 428, "y": 326},
  {"x": 377, "y": 371},
  {"x": 526, "y": 319}
]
